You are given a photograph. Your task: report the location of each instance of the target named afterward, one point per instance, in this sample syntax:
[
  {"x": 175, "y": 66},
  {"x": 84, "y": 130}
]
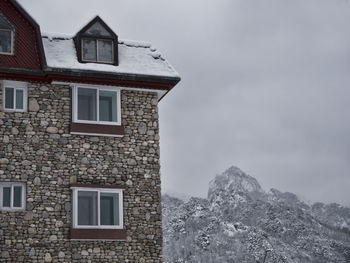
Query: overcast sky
[{"x": 265, "y": 86}]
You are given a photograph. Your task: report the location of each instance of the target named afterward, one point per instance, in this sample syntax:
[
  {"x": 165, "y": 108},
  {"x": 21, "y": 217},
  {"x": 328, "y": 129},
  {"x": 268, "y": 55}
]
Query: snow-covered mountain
[{"x": 240, "y": 222}]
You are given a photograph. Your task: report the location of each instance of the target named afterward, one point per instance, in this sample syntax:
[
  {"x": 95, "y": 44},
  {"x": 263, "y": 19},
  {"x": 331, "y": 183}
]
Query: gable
[
  {"x": 95, "y": 39},
  {"x": 97, "y": 30},
  {"x": 26, "y": 48}
]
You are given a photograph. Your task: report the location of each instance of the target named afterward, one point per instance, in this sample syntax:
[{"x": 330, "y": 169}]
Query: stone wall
[{"x": 37, "y": 149}]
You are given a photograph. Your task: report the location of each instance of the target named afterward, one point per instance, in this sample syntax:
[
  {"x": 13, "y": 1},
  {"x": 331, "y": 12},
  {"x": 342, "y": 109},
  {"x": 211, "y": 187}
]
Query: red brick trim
[
  {"x": 98, "y": 186},
  {"x": 97, "y": 129},
  {"x": 98, "y": 234}
]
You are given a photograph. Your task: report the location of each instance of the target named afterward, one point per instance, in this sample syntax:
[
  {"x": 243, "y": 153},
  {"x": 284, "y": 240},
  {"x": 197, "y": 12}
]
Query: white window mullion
[
  {"x": 76, "y": 104},
  {"x": 23, "y": 193},
  {"x": 25, "y": 100},
  {"x": 74, "y": 208},
  {"x": 121, "y": 216},
  {"x": 12, "y": 196},
  {"x": 98, "y": 105},
  {"x": 119, "y": 107},
  {"x": 98, "y": 209},
  {"x": 75, "y": 101},
  {"x": 1, "y": 196},
  {"x": 14, "y": 98}
]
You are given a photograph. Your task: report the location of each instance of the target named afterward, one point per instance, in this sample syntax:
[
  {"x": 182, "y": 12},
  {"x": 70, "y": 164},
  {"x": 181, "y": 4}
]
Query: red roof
[
  {"x": 28, "y": 47},
  {"x": 29, "y": 62}
]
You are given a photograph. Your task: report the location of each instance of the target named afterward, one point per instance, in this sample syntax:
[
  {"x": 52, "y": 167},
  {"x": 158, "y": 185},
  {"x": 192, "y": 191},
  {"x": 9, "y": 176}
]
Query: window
[
  {"x": 14, "y": 96},
  {"x": 6, "y": 42},
  {"x": 97, "y": 50},
  {"x": 97, "y": 208},
  {"x": 6, "y": 36},
  {"x": 12, "y": 196},
  {"x": 96, "y": 42},
  {"x": 99, "y": 105}
]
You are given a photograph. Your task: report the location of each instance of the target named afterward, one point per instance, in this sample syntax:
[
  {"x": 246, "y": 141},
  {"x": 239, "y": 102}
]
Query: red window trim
[
  {"x": 97, "y": 234},
  {"x": 117, "y": 130}
]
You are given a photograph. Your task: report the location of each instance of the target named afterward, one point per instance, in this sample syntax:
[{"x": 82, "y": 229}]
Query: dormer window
[
  {"x": 97, "y": 50},
  {"x": 97, "y": 43},
  {"x": 7, "y": 32}
]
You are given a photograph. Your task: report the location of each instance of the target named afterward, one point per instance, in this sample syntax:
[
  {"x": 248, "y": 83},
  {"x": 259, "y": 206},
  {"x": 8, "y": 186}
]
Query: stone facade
[{"x": 37, "y": 149}]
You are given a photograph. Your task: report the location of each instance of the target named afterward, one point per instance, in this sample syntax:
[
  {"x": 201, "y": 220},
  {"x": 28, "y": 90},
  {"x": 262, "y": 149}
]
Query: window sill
[
  {"x": 97, "y": 234},
  {"x": 7, "y": 54},
  {"x": 7, "y": 209},
  {"x": 11, "y": 110},
  {"x": 96, "y": 129}
]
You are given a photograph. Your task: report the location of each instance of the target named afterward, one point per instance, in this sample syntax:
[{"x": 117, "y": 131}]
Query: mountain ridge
[{"x": 240, "y": 222}]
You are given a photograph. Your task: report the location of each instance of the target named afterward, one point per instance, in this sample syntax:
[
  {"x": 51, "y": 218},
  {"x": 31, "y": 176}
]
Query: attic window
[
  {"x": 97, "y": 50},
  {"x": 7, "y": 32},
  {"x": 97, "y": 43}
]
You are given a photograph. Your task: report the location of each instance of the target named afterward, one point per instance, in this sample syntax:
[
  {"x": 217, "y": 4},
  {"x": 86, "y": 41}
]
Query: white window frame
[
  {"x": 97, "y": 54},
  {"x": 12, "y": 41},
  {"x": 12, "y": 185},
  {"x": 75, "y": 191},
  {"x": 98, "y": 88},
  {"x": 16, "y": 85}
]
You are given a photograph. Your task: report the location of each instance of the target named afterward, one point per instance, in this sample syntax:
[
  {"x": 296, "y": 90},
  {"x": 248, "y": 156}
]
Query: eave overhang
[{"x": 50, "y": 75}]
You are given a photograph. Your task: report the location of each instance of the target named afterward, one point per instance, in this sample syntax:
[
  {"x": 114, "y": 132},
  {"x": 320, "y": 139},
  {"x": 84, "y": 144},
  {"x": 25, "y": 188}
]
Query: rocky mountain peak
[
  {"x": 239, "y": 222},
  {"x": 234, "y": 180}
]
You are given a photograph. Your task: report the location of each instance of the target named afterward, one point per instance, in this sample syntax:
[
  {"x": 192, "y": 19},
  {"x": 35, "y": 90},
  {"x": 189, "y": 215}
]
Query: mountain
[{"x": 240, "y": 222}]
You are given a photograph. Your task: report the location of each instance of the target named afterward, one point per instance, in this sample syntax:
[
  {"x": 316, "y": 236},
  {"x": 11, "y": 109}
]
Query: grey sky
[{"x": 265, "y": 86}]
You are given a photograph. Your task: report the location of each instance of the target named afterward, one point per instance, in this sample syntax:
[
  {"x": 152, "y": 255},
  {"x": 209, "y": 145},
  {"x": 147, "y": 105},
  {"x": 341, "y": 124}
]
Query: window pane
[
  {"x": 9, "y": 97},
  {"x": 4, "y": 23},
  {"x": 109, "y": 214},
  {"x": 97, "y": 30},
  {"x": 87, "y": 109},
  {"x": 6, "y": 197},
  {"x": 19, "y": 99},
  {"x": 105, "y": 52},
  {"x": 108, "y": 105},
  {"x": 87, "y": 208},
  {"x": 89, "y": 49},
  {"x": 5, "y": 41},
  {"x": 17, "y": 197}
]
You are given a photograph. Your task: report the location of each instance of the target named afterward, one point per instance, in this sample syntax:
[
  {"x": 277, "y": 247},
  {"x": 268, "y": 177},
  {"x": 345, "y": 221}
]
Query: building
[{"x": 79, "y": 143}]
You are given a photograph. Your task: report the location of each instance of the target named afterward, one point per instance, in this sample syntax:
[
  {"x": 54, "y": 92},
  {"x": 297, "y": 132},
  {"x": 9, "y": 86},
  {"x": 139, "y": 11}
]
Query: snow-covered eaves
[{"x": 137, "y": 60}]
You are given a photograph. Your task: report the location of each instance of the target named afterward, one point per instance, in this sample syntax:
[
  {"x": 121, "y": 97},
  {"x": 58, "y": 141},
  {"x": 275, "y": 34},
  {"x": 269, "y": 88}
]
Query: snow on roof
[{"x": 134, "y": 57}]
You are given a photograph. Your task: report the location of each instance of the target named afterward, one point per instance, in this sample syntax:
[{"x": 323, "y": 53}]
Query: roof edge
[
  {"x": 126, "y": 80},
  {"x": 36, "y": 26},
  {"x": 114, "y": 75}
]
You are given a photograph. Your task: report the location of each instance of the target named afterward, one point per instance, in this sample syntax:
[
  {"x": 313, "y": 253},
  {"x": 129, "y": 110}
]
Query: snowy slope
[
  {"x": 239, "y": 222},
  {"x": 134, "y": 57}
]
